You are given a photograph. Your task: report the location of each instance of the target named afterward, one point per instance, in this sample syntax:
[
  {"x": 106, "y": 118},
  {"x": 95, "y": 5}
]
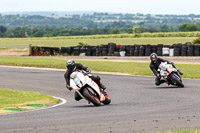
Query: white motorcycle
[
  {"x": 88, "y": 89},
  {"x": 170, "y": 74}
]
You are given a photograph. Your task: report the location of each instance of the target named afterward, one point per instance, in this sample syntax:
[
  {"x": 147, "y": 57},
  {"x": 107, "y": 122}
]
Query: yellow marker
[{"x": 27, "y": 107}]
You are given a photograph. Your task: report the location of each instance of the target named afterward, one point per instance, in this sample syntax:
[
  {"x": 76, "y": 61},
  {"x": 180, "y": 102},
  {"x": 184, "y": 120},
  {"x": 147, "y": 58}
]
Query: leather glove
[
  {"x": 68, "y": 87},
  {"x": 88, "y": 70}
]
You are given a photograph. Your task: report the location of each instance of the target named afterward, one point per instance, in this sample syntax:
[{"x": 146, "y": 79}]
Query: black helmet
[
  {"x": 70, "y": 65},
  {"x": 154, "y": 57}
]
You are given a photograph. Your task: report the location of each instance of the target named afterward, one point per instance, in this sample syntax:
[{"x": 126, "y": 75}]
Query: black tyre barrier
[
  {"x": 159, "y": 49},
  {"x": 184, "y": 50},
  {"x": 117, "y": 53},
  {"x": 142, "y": 50},
  {"x": 127, "y": 49},
  {"x": 88, "y": 51},
  {"x": 66, "y": 50},
  {"x": 132, "y": 49},
  {"x": 148, "y": 50},
  {"x": 196, "y": 50},
  {"x": 76, "y": 51},
  {"x": 154, "y": 49},
  {"x": 112, "y": 49},
  {"x": 190, "y": 50},
  {"x": 122, "y": 48},
  {"x": 136, "y": 51}
]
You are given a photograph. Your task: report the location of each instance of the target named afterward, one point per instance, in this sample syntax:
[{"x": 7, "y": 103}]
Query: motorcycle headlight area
[{"x": 78, "y": 82}]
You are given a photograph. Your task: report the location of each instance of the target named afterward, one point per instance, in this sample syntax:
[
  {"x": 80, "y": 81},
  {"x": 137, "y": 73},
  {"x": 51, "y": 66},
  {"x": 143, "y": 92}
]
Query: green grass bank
[
  {"x": 14, "y": 98},
  {"x": 126, "y": 67}
]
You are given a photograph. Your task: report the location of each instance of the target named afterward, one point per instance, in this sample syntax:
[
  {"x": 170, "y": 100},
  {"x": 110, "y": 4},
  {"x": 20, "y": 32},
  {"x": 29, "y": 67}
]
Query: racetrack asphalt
[{"x": 137, "y": 105}]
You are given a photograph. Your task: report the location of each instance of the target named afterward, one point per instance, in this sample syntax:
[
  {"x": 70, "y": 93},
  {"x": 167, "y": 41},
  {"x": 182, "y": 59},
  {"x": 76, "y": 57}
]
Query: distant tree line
[
  {"x": 76, "y": 31},
  {"x": 97, "y": 23}
]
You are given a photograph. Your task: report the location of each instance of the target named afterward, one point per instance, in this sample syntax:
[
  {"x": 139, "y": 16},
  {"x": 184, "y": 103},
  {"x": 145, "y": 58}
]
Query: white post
[{"x": 30, "y": 50}]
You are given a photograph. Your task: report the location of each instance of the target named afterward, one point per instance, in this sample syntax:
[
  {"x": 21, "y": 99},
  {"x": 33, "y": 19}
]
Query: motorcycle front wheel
[
  {"x": 91, "y": 96},
  {"x": 177, "y": 81},
  {"x": 107, "y": 100}
]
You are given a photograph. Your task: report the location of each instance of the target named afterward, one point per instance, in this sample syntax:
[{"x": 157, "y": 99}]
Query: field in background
[
  {"x": 20, "y": 46},
  {"x": 14, "y": 49},
  {"x": 65, "y": 42}
]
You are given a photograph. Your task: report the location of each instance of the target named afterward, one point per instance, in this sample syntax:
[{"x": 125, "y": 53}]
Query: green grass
[
  {"x": 14, "y": 98},
  {"x": 132, "y": 68},
  {"x": 66, "y": 42}
]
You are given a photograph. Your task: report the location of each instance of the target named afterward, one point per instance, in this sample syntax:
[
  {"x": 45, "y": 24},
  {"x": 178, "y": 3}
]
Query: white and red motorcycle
[
  {"x": 170, "y": 74},
  {"x": 88, "y": 89}
]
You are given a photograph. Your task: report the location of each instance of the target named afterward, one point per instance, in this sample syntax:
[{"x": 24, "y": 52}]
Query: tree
[
  {"x": 19, "y": 32},
  {"x": 164, "y": 28},
  {"x": 39, "y": 33},
  {"x": 196, "y": 41},
  {"x": 136, "y": 31},
  {"x": 189, "y": 27},
  {"x": 114, "y": 31},
  {"x": 3, "y": 29}
]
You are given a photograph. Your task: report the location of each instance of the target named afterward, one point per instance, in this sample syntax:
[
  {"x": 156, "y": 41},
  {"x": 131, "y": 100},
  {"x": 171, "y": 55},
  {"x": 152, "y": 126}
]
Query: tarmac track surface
[{"x": 137, "y": 105}]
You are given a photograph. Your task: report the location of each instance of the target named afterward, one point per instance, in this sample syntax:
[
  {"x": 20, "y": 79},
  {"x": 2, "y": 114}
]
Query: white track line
[{"x": 63, "y": 101}]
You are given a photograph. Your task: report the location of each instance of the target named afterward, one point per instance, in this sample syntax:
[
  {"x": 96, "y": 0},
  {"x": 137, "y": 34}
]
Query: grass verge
[
  {"x": 14, "y": 98},
  {"x": 125, "y": 67}
]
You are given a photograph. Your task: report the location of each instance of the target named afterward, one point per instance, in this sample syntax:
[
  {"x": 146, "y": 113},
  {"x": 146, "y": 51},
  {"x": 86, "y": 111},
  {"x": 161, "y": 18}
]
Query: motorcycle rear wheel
[
  {"x": 90, "y": 97},
  {"x": 177, "y": 81}
]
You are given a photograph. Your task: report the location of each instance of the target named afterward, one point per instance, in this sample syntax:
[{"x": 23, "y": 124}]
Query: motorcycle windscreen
[
  {"x": 78, "y": 80},
  {"x": 169, "y": 68}
]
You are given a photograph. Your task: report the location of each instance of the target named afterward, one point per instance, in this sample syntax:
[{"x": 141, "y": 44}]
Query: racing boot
[
  {"x": 180, "y": 72},
  {"x": 103, "y": 87},
  {"x": 162, "y": 81},
  {"x": 159, "y": 81}
]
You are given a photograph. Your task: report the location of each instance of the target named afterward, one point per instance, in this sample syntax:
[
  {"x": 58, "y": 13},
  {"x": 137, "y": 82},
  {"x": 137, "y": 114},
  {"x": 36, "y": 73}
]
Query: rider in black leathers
[
  {"x": 73, "y": 66},
  {"x": 155, "y": 62}
]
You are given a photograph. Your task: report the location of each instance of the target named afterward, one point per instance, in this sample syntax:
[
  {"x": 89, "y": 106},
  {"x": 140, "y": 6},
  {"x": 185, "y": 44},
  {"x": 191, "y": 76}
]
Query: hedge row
[{"x": 112, "y": 49}]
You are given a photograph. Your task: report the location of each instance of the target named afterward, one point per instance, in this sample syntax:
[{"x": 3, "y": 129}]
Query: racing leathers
[
  {"x": 154, "y": 67},
  {"x": 79, "y": 66}
]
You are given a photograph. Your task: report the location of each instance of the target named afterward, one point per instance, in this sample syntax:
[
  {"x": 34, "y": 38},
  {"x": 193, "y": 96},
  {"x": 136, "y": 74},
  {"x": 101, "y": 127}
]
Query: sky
[{"x": 179, "y": 7}]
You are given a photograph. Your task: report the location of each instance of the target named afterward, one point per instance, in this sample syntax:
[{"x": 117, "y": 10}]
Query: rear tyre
[
  {"x": 91, "y": 97},
  {"x": 177, "y": 81}
]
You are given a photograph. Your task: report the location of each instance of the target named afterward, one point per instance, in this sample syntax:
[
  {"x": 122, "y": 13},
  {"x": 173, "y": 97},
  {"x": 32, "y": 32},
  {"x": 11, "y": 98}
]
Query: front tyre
[
  {"x": 177, "y": 81},
  {"x": 91, "y": 96},
  {"x": 107, "y": 100}
]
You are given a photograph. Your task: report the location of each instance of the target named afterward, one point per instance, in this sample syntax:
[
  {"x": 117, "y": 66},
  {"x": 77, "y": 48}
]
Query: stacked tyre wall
[{"x": 112, "y": 49}]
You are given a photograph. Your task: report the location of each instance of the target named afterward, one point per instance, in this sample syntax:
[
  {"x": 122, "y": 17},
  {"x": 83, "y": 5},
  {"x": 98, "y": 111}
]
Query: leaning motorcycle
[
  {"x": 170, "y": 74},
  {"x": 88, "y": 89}
]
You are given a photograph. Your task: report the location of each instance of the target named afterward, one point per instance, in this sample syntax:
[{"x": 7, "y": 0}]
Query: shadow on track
[
  {"x": 90, "y": 105},
  {"x": 165, "y": 87}
]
